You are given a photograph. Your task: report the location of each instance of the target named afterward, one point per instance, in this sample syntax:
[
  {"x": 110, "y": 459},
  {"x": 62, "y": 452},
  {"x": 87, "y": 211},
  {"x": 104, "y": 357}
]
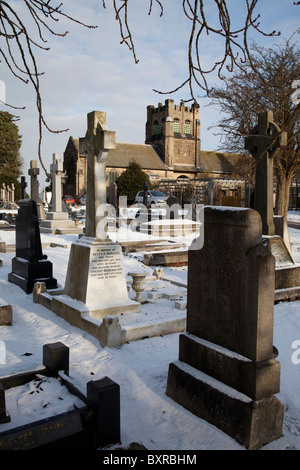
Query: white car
[{"x": 155, "y": 198}]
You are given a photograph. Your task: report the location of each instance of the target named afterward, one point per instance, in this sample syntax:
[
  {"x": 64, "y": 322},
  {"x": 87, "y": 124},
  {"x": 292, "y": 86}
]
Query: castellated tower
[{"x": 176, "y": 131}]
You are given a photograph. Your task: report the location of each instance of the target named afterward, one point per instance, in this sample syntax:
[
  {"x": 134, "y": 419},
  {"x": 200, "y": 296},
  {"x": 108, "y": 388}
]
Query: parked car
[
  {"x": 69, "y": 200},
  {"x": 155, "y": 198}
]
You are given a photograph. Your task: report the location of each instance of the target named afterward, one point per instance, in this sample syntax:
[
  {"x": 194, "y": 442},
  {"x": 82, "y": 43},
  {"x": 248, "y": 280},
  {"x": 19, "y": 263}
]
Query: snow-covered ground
[{"x": 140, "y": 368}]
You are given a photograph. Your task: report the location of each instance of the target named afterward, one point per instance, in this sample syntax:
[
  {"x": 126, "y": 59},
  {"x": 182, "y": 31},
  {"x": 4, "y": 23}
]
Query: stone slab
[
  {"x": 166, "y": 258},
  {"x": 56, "y": 216},
  {"x": 291, "y": 294},
  {"x": 287, "y": 277}
]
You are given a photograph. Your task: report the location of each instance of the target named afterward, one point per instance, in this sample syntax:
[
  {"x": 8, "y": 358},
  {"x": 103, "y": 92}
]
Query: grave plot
[
  {"x": 163, "y": 311},
  {"x": 43, "y": 410}
]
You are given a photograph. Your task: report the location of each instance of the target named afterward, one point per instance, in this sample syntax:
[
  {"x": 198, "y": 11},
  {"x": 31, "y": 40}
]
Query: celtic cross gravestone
[
  {"x": 264, "y": 143},
  {"x": 95, "y": 273}
]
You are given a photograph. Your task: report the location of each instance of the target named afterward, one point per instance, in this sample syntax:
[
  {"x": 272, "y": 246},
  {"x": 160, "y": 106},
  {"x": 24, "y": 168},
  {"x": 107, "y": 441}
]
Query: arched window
[
  {"x": 155, "y": 128},
  {"x": 176, "y": 125},
  {"x": 187, "y": 127}
]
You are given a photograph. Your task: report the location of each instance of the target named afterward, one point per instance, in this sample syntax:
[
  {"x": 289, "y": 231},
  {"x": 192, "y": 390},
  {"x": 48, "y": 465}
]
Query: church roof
[
  {"x": 148, "y": 156},
  {"x": 218, "y": 162}
]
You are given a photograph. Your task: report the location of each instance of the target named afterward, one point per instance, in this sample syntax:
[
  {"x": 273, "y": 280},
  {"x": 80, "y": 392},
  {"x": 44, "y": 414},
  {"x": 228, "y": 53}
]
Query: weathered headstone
[
  {"x": 95, "y": 274},
  {"x": 29, "y": 265},
  {"x": 227, "y": 373}
]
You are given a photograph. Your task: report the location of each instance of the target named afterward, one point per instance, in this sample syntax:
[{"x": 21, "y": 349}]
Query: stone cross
[
  {"x": 23, "y": 186},
  {"x": 264, "y": 144},
  {"x": 58, "y": 177},
  {"x": 12, "y": 193},
  {"x": 33, "y": 172},
  {"x": 97, "y": 143}
]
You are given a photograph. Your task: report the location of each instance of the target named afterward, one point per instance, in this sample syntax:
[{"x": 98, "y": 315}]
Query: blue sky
[{"x": 89, "y": 70}]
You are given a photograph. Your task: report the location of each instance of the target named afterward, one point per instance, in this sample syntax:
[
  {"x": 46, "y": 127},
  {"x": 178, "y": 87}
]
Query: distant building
[{"x": 172, "y": 150}]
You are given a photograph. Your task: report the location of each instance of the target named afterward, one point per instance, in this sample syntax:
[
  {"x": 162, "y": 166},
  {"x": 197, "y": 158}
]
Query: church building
[{"x": 172, "y": 150}]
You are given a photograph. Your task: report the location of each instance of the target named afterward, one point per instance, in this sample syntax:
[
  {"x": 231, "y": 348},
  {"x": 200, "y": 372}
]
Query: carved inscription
[
  {"x": 36, "y": 435},
  {"x": 106, "y": 264}
]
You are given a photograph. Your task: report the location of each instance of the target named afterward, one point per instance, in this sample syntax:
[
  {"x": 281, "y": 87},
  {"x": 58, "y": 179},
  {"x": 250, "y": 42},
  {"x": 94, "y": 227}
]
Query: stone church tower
[{"x": 176, "y": 131}]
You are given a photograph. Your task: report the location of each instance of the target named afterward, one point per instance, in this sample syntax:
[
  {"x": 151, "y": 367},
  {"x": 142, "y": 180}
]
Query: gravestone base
[
  {"x": 252, "y": 423},
  {"x": 96, "y": 278},
  {"x": 26, "y": 273},
  {"x": 278, "y": 249},
  {"x": 58, "y": 222},
  {"x": 287, "y": 273}
]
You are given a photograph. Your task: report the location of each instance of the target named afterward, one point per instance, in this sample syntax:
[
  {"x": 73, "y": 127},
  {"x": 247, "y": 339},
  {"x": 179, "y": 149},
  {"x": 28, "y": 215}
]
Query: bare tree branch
[
  {"x": 45, "y": 14},
  {"x": 236, "y": 49},
  {"x": 17, "y": 37}
]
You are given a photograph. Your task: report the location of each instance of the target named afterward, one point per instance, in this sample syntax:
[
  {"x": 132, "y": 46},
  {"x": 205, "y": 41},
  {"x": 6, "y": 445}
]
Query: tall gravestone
[
  {"x": 227, "y": 372},
  {"x": 33, "y": 172},
  {"x": 264, "y": 143},
  {"x": 30, "y": 265},
  {"x": 95, "y": 274},
  {"x": 57, "y": 220}
]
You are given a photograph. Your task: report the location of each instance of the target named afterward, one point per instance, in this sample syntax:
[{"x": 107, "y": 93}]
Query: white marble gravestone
[{"x": 95, "y": 273}]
